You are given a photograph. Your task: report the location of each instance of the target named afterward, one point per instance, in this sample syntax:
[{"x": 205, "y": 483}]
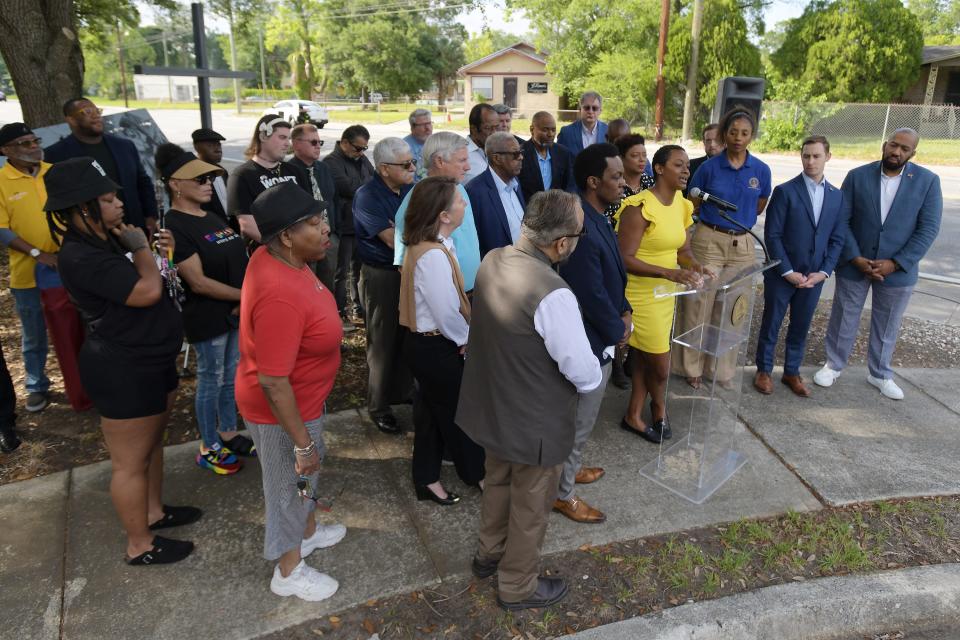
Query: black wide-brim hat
[
  {"x": 282, "y": 206},
  {"x": 74, "y": 182}
]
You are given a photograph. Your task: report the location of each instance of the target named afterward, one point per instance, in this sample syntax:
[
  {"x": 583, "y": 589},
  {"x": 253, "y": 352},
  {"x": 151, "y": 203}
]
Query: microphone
[{"x": 722, "y": 205}]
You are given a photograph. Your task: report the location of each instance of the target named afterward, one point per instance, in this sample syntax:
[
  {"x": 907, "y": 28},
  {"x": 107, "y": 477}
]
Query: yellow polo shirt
[{"x": 21, "y": 210}]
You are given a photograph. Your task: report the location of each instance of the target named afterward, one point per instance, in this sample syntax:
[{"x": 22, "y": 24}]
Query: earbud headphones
[{"x": 266, "y": 128}]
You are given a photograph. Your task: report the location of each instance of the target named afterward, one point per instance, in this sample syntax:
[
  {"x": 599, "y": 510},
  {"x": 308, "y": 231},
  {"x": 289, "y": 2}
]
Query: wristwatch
[{"x": 35, "y": 253}]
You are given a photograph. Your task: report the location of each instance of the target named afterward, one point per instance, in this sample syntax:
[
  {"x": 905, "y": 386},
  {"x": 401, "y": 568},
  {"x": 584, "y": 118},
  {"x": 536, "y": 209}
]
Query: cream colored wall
[{"x": 524, "y": 70}]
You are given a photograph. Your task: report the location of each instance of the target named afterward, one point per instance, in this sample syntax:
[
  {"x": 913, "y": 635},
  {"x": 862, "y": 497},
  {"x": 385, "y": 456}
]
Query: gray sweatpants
[
  {"x": 286, "y": 511},
  {"x": 887, "y": 306}
]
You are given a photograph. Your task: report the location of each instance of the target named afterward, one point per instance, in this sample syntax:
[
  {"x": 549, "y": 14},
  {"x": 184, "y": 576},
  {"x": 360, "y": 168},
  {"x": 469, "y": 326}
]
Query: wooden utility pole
[
  {"x": 123, "y": 73},
  {"x": 661, "y": 54},
  {"x": 690, "y": 98}
]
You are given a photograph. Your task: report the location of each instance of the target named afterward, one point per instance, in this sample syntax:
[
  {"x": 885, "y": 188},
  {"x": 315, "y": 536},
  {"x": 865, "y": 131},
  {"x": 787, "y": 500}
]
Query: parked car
[
  {"x": 300, "y": 111},
  {"x": 3, "y": 96},
  {"x": 376, "y": 96}
]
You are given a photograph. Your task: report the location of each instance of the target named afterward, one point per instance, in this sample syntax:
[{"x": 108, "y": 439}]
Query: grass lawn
[{"x": 931, "y": 151}]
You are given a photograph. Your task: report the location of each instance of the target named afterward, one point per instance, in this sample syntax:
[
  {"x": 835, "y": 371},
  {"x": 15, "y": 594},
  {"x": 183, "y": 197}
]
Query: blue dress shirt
[
  {"x": 546, "y": 171},
  {"x": 374, "y": 209},
  {"x": 511, "y": 203}
]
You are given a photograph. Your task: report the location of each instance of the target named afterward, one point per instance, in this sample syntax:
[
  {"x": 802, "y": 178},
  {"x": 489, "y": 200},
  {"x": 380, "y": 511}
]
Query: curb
[{"x": 916, "y": 598}]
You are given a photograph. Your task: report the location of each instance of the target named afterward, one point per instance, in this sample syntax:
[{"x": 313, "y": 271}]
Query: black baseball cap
[
  {"x": 75, "y": 181},
  {"x": 206, "y": 135},
  {"x": 282, "y": 206},
  {"x": 13, "y": 130}
]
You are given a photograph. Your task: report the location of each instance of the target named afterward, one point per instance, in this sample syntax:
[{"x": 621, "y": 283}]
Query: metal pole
[
  {"x": 661, "y": 54},
  {"x": 233, "y": 61},
  {"x": 263, "y": 67},
  {"x": 886, "y": 122},
  {"x": 123, "y": 73},
  {"x": 200, "y": 51},
  {"x": 690, "y": 98},
  {"x": 166, "y": 63}
]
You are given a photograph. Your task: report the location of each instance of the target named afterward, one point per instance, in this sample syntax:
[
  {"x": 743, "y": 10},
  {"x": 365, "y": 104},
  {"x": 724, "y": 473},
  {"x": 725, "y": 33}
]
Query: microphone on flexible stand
[{"x": 722, "y": 207}]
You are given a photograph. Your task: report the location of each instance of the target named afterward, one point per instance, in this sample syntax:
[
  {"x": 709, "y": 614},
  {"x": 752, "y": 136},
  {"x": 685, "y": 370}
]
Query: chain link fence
[{"x": 867, "y": 123}]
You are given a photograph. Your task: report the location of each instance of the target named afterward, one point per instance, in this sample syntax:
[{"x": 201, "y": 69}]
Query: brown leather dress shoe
[
  {"x": 763, "y": 383},
  {"x": 796, "y": 385},
  {"x": 579, "y": 511},
  {"x": 586, "y": 475}
]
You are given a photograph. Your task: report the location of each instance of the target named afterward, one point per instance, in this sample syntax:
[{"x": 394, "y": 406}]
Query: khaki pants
[
  {"x": 724, "y": 254},
  {"x": 517, "y": 500}
]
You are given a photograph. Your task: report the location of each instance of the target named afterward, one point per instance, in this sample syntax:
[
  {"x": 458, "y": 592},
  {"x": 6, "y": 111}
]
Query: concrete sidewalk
[{"x": 62, "y": 575}]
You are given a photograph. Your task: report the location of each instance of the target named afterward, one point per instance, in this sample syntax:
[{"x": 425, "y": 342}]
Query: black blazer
[
  {"x": 139, "y": 197},
  {"x": 561, "y": 165}
]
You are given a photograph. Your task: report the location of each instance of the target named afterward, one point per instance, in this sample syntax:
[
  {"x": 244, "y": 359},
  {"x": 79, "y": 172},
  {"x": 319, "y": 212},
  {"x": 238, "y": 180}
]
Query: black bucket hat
[
  {"x": 75, "y": 181},
  {"x": 282, "y": 206}
]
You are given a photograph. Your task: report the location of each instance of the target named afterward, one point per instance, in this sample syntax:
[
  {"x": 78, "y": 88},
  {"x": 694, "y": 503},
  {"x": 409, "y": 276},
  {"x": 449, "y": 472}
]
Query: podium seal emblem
[{"x": 739, "y": 310}]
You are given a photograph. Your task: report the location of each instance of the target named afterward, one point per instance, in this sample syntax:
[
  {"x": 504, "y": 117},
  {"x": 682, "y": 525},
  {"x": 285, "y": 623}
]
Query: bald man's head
[{"x": 543, "y": 129}]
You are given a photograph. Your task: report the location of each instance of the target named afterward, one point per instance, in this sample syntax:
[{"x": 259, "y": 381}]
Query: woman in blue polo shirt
[{"x": 741, "y": 179}]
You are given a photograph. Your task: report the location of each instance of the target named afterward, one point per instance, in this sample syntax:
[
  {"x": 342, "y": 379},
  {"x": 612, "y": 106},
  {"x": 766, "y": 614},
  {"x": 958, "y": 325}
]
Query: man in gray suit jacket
[{"x": 895, "y": 210}]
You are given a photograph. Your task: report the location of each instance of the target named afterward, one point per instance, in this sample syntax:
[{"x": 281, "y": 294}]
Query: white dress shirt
[
  {"x": 558, "y": 321},
  {"x": 815, "y": 190},
  {"x": 888, "y": 191},
  {"x": 588, "y": 137},
  {"x": 511, "y": 203},
  {"x": 435, "y": 296},
  {"x": 478, "y": 160}
]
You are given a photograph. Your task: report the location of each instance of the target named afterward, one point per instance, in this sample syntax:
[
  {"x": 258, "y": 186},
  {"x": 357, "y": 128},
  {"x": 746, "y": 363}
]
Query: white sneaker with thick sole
[
  {"x": 826, "y": 376},
  {"x": 323, "y": 537},
  {"x": 887, "y": 387},
  {"x": 305, "y": 582}
]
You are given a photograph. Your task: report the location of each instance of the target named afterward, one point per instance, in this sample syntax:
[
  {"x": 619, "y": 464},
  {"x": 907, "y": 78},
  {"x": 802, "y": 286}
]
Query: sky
[{"x": 493, "y": 16}]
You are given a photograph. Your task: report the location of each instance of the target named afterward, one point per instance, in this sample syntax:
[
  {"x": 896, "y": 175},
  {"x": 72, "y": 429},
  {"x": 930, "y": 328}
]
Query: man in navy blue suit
[
  {"x": 495, "y": 195},
  {"x": 896, "y": 208},
  {"x": 805, "y": 230},
  {"x": 588, "y": 129},
  {"x": 596, "y": 275},
  {"x": 546, "y": 165},
  {"x": 118, "y": 157}
]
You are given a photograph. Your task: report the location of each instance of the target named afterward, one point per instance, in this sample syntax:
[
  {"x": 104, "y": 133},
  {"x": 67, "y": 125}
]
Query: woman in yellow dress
[{"x": 652, "y": 234}]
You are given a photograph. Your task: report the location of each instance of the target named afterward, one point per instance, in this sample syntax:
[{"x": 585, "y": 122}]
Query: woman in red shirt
[{"x": 290, "y": 335}]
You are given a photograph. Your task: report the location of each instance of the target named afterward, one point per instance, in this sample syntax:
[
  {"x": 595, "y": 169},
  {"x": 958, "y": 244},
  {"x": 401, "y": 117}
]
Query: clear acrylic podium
[{"x": 700, "y": 456}]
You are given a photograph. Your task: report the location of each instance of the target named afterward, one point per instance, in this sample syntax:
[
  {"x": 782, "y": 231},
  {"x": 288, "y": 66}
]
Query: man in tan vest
[{"x": 527, "y": 359}]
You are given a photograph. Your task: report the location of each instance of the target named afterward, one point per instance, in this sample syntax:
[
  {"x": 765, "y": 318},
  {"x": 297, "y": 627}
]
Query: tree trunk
[{"x": 40, "y": 46}]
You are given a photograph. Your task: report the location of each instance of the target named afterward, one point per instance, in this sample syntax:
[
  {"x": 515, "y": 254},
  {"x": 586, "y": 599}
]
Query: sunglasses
[
  {"x": 409, "y": 164},
  {"x": 306, "y": 492},
  {"x": 580, "y": 234},
  {"x": 358, "y": 149},
  {"x": 591, "y": 107},
  {"x": 27, "y": 143},
  {"x": 204, "y": 179},
  {"x": 516, "y": 154},
  {"x": 87, "y": 111},
  {"x": 315, "y": 143}
]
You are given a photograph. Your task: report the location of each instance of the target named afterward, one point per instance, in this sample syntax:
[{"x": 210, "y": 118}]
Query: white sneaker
[
  {"x": 887, "y": 387},
  {"x": 305, "y": 582},
  {"x": 323, "y": 537},
  {"x": 826, "y": 376}
]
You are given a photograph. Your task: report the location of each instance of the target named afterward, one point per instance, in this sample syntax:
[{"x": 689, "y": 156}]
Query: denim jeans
[
  {"x": 34, "y": 343},
  {"x": 215, "y": 404}
]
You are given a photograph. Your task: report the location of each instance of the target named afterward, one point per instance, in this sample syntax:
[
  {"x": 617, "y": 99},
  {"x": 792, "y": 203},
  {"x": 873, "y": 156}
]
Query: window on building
[
  {"x": 482, "y": 85},
  {"x": 953, "y": 89}
]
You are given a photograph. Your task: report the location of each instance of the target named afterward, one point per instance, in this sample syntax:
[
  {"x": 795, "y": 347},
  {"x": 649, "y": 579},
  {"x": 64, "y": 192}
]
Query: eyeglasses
[
  {"x": 305, "y": 491},
  {"x": 204, "y": 179},
  {"x": 516, "y": 154},
  {"x": 580, "y": 234},
  {"x": 409, "y": 164},
  {"x": 590, "y": 107},
  {"x": 87, "y": 111},
  {"x": 314, "y": 143},
  {"x": 358, "y": 149},
  {"x": 27, "y": 143}
]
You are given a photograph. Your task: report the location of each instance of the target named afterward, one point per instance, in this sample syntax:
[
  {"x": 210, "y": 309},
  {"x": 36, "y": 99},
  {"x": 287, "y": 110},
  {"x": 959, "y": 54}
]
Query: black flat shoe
[
  {"x": 424, "y": 493},
  {"x": 165, "y": 551},
  {"x": 241, "y": 445},
  {"x": 9, "y": 441},
  {"x": 647, "y": 434},
  {"x": 176, "y": 517},
  {"x": 549, "y": 592},
  {"x": 662, "y": 426},
  {"x": 387, "y": 423},
  {"x": 483, "y": 569}
]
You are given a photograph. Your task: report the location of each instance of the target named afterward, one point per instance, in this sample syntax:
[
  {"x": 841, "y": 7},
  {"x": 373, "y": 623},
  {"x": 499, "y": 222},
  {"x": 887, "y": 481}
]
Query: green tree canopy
[
  {"x": 939, "y": 19},
  {"x": 849, "y": 51},
  {"x": 486, "y": 42}
]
